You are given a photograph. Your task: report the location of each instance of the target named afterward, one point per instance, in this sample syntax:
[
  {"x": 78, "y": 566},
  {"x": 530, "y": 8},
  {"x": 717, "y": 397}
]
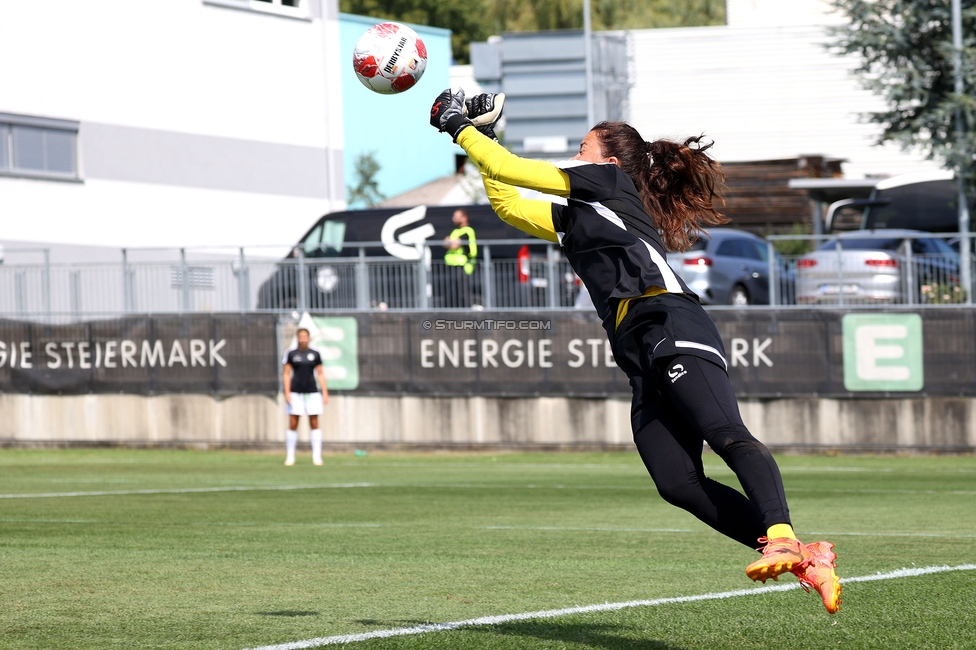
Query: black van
[
  {"x": 925, "y": 201},
  {"x": 331, "y": 249}
]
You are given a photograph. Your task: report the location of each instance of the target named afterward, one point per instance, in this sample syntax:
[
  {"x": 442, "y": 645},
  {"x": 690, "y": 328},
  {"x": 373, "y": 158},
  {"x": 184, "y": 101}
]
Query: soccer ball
[{"x": 389, "y": 58}]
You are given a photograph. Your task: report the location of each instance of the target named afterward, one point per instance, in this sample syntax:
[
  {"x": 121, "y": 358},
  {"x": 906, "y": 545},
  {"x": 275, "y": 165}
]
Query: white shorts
[{"x": 305, "y": 404}]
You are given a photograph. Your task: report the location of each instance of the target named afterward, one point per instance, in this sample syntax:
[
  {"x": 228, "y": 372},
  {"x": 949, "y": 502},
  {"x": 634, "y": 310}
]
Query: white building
[
  {"x": 168, "y": 122},
  {"x": 764, "y": 87}
]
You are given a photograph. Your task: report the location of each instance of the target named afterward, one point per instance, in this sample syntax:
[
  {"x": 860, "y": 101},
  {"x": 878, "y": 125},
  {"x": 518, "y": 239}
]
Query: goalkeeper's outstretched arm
[
  {"x": 533, "y": 217},
  {"x": 496, "y": 162},
  {"x": 500, "y": 170}
]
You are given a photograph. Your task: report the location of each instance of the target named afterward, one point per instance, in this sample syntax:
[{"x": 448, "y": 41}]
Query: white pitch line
[
  {"x": 270, "y": 524},
  {"x": 866, "y": 491},
  {"x": 852, "y": 534},
  {"x": 689, "y": 530},
  {"x": 639, "y": 469},
  {"x": 236, "y": 488},
  {"x": 459, "y": 486},
  {"x": 324, "y": 486},
  {"x": 605, "y": 607},
  {"x": 48, "y": 521},
  {"x": 592, "y": 528}
]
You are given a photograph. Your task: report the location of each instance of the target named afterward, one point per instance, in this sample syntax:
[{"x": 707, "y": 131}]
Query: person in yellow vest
[{"x": 462, "y": 252}]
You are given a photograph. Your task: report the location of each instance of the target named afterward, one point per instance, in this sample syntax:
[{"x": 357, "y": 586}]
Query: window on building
[
  {"x": 289, "y": 8},
  {"x": 34, "y": 146},
  {"x": 283, "y": 3},
  {"x": 4, "y": 147}
]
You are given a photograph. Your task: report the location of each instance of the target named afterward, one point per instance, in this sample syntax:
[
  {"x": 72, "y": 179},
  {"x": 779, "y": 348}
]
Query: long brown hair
[{"x": 679, "y": 183}]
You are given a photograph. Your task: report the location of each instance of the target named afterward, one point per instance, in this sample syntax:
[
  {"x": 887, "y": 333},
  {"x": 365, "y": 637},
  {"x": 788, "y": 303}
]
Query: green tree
[
  {"x": 466, "y": 20},
  {"x": 366, "y": 191},
  {"x": 643, "y": 14},
  {"x": 475, "y": 20},
  {"x": 906, "y": 53}
]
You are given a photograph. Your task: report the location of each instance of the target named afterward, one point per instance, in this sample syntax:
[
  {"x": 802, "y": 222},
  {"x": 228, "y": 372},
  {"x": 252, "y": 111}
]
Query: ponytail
[{"x": 679, "y": 183}]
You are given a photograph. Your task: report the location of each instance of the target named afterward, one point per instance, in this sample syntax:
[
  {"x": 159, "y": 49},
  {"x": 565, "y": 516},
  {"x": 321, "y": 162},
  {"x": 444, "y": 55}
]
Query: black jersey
[
  {"x": 303, "y": 364},
  {"x": 609, "y": 239}
]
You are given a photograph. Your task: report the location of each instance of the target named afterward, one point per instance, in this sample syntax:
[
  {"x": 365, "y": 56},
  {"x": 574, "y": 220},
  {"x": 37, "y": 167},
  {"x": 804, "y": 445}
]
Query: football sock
[
  {"x": 780, "y": 530},
  {"x": 291, "y": 441},
  {"x": 316, "y": 445}
]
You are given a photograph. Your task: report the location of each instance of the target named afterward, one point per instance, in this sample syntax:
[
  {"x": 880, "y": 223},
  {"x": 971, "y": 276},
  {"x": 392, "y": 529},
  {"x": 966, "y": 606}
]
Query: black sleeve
[
  {"x": 318, "y": 359},
  {"x": 557, "y": 219},
  {"x": 592, "y": 182}
]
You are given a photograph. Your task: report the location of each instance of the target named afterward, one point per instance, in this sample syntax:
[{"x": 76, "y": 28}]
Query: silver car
[
  {"x": 877, "y": 266},
  {"x": 725, "y": 267}
]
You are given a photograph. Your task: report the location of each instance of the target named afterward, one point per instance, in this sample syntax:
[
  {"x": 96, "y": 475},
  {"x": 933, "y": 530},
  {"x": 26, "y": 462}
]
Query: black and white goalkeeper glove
[
  {"x": 484, "y": 111},
  {"x": 447, "y": 112}
]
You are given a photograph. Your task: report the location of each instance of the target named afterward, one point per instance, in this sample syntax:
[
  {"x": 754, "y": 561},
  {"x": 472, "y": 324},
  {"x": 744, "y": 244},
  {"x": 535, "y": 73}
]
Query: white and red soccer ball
[{"x": 389, "y": 58}]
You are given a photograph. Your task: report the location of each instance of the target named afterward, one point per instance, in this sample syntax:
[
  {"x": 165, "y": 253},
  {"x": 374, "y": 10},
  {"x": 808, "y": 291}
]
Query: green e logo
[
  {"x": 337, "y": 340},
  {"x": 883, "y": 352}
]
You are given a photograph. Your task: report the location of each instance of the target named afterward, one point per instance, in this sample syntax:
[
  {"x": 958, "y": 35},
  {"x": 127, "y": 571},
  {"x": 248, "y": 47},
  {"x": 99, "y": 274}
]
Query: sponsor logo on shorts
[{"x": 676, "y": 372}]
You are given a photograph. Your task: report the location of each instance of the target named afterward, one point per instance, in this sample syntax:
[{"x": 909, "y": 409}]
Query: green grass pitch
[{"x": 186, "y": 549}]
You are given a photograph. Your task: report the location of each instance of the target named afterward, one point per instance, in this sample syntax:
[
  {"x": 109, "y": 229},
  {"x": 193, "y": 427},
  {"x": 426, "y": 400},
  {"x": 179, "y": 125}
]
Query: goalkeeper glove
[
  {"x": 447, "y": 112},
  {"x": 484, "y": 111}
]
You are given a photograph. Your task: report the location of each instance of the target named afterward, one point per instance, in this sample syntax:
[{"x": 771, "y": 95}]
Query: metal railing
[
  {"x": 363, "y": 282},
  {"x": 312, "y": 280},
  {"x": 832, "y": 275},
  {"x": 362, "y": 277},
  {"x": 178, "y": 286}
]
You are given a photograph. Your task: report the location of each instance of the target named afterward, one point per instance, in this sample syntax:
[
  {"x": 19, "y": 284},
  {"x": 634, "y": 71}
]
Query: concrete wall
[{"x": 250, "y": 421}]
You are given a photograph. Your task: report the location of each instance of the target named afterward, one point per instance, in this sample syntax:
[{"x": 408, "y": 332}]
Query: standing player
[
  {"x": 627, "y": 200},
  {"x": 302, "y": 366}
]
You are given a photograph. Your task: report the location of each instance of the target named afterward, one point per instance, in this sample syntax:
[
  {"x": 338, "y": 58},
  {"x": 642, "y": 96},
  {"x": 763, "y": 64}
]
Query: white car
[{"x": 877, "y": 266}]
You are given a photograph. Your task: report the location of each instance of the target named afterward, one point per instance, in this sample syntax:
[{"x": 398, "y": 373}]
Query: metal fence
[
  {"x": 543, "y": 280},
  {"x": 364, "y": 280},
  {"x": 868, "y": 268},
  {"x": 833, "y": 272},
  {"x": 80, "y": 289}
]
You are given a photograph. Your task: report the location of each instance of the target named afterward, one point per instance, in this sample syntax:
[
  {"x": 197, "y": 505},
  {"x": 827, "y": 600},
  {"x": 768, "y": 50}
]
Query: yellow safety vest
[{"x": 457, "y": 256}]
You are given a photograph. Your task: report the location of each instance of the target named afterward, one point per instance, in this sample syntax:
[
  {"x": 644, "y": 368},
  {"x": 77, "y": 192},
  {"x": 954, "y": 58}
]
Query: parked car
[
  {"x": 728, "y": 267},
  {"x": 956, "y": 244},
  {"x": 879, "y": 266},
  {"x": 329, "y": 254}
]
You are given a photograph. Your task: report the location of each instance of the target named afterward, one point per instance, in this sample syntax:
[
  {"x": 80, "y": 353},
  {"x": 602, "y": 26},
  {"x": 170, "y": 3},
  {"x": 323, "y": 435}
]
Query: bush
[
  {"x": 943, "y": 294},
  {"x": 790, "y": 247}
]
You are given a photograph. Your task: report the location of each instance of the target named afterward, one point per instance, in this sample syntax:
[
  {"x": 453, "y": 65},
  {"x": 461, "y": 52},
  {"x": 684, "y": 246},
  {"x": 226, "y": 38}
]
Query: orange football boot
[
  {"x": 817, "y": 572},
  {"x": 779, "y": 556}
]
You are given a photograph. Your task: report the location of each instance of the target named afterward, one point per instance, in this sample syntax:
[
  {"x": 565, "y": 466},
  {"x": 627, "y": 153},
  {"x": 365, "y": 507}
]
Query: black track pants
[{"x": 688, "y": 401}]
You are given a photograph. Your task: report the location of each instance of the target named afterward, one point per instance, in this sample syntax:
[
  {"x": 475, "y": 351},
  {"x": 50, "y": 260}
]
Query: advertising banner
[
  {"x": 199, "y": 353},
  {"x": 501, "y": 354},
  {"x": 771, "y": 353},
  {"x": 796, "y": 353}
]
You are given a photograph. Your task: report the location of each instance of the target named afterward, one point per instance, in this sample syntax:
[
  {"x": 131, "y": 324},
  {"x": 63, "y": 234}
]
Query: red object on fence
[{"x": 523, "y": 265}]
